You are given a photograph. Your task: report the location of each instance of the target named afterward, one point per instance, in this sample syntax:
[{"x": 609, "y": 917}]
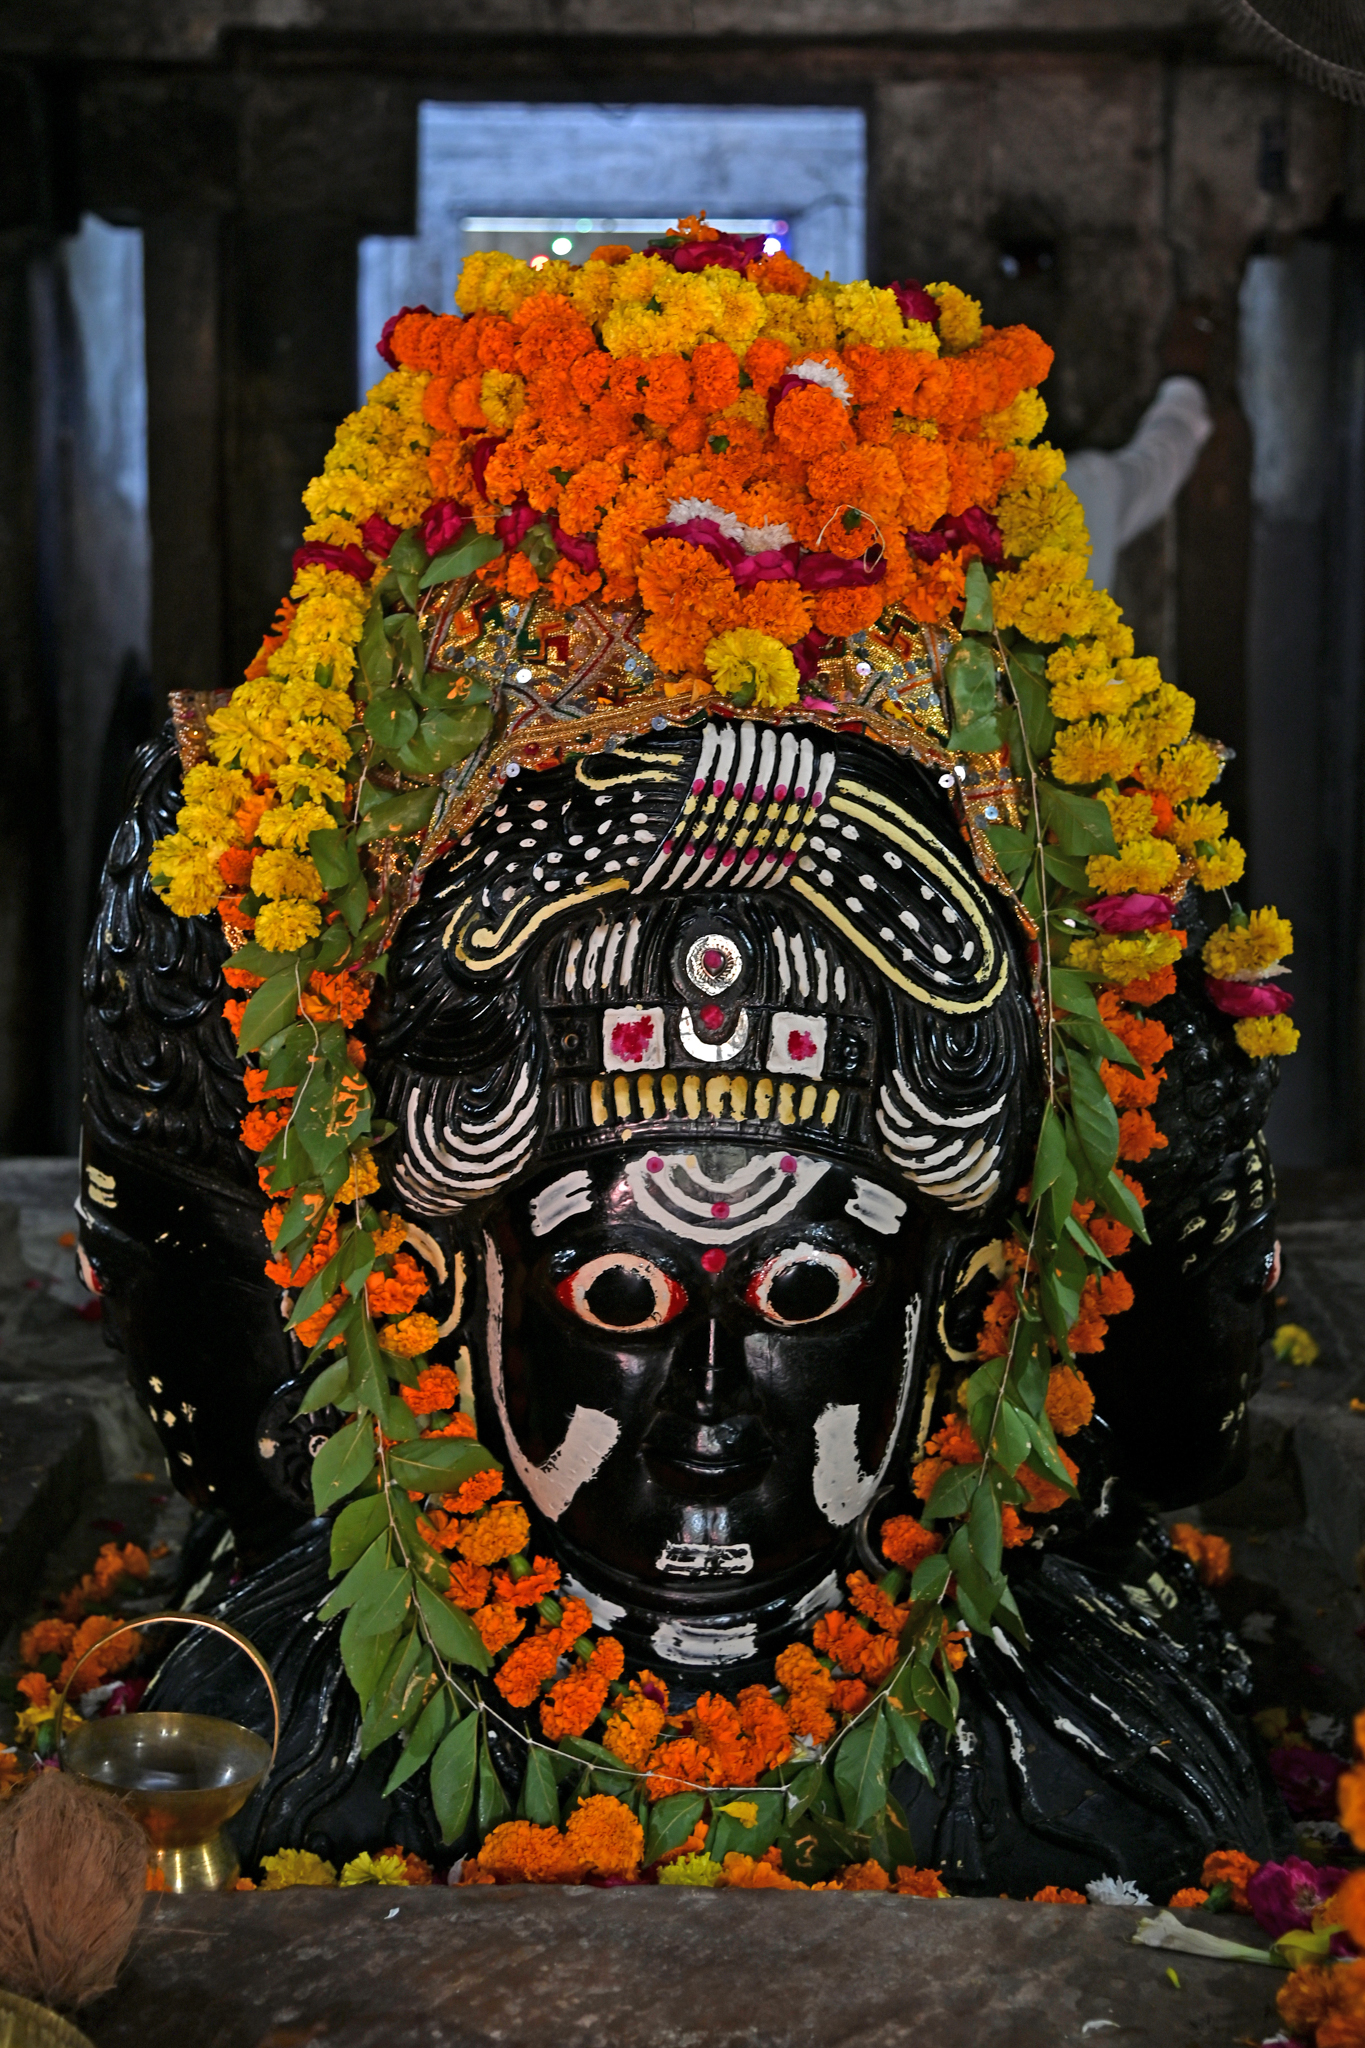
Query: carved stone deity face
[{"x": 700, "y": 1360}]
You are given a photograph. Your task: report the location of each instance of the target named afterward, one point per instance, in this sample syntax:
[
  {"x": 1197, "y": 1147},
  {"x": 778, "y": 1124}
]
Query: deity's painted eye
[
  {"x": 803, "y": 1284},
  {"x": 622, "y": 1291}
]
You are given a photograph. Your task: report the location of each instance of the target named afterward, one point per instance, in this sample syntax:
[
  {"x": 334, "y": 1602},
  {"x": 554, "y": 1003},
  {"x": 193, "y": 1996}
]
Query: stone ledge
[
  {"x": 650, "y": 1968},
  {"x": 49, "y": 1459}
]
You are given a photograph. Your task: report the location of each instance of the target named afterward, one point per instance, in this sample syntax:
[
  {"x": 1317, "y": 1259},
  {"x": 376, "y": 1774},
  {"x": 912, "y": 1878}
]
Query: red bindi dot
[
  {"x": 720, "y": 1210},
  {"x": 713, "y": 1261},
  {"x": 654, "y": 1163},
  {"x": 786, "y": 1164}
]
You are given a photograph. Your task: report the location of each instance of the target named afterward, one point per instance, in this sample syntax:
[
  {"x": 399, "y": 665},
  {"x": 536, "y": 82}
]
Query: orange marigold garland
[{"x": 761, "y": 459}]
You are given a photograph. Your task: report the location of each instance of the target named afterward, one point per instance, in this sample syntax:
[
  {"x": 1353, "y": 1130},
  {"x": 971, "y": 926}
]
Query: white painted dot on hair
[
  {"x": 550, "y": 886},
  {"x": 909, "y": 919},
  {"x": 537, "y": 803},
  {"x": 868, "y": 881},
  {"x": 968, "y": 949},
  {"x": 639, "y": 817},
  {"x": 538, "y": 874},
  {"x": 506, "y": 827},
  {"x": 850, "y": 831},
  {"x": 613, "y": 867},
  {"x": 591, "y": 852},
  {"x": 942, "y": 953},
  {"x": 926, "y": 892},
  {"x": 824, "y": 878},
  {"x": 632, "y": 860},
  {"x": 949, "y": 914},
  {"x": 538, "y": 824},
  {"x": 893, "y": 860},
  {"x": 621, "y": 839},
  {"x": 581, "y": 879},
  {"x": 554, "y": 859},
  {"x": 940, "y": 977},
  {"x": 501, "y": 811},
  {"x": 886, "y": 932},
  {"x": 575, "y": 839},
  {"x": 526, "y": 842},
  {"x": 806, "y": 864},
  {"x": 854, "y": 905}
]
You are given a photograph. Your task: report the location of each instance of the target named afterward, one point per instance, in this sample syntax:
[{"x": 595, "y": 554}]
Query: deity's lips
[
  {"x": 1247, "y": 998},
  {"x": 688, "y": 1455}
]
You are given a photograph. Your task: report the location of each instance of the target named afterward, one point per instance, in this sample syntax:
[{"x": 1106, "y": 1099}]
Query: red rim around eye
[
  {"x": 665, "y": 1298},
  {"x": 797, "y": 1261}
]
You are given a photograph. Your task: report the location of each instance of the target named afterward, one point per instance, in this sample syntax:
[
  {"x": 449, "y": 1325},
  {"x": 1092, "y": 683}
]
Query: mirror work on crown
[{"x": 673, "y": 1117}]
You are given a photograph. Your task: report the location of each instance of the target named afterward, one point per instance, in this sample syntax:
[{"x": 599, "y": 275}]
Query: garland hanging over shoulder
[{"x": 765, "y": 462}]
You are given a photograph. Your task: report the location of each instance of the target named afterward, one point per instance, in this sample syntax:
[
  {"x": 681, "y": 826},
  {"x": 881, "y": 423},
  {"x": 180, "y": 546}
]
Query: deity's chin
[{"x": 705, "y": 1616}]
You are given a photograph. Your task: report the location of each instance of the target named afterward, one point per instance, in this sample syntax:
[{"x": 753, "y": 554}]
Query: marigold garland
[{"x": 764, "y": 461}]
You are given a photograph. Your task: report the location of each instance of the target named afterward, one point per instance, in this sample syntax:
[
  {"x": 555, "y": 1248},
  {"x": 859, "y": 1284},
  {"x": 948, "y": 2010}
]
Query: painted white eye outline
[
  {"x": 669, "y": 1298},
  {"x": 850, "y": 1283}
]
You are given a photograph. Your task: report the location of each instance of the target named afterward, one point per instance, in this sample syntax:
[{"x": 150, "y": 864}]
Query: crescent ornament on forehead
[{"x": 672, "y": 1190}]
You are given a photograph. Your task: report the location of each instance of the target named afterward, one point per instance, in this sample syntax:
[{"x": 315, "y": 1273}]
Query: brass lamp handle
[{"x": 220, "y": 1628}]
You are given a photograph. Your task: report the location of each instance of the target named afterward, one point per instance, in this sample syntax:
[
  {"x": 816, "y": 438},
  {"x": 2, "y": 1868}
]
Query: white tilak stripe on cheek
[
  {"x": 587, "y": 1441},
  {"x": 842, "y": 1489},
  {"x": 875, "y": 1206},
  {"x": 571, "y": 1195}
]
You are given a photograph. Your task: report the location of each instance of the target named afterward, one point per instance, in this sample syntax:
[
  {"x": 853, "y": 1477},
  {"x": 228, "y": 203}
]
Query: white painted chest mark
[{"x": 842, "y": 1489}]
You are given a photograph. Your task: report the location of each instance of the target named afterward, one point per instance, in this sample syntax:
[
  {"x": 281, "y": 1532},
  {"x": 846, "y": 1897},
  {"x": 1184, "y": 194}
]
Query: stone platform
[{"x": 662, "y": 1968}]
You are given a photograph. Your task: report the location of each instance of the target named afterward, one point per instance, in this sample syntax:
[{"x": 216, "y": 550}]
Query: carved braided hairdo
[{"x": 773, "y": 933}]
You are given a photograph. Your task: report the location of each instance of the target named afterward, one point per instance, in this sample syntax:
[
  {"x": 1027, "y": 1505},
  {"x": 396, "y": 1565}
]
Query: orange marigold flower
[
  {"x": 633, "y": 1730},
  {"x": 532, "y": 1586},
  {"x": 410, "y": 1337},
  {"x": 105, "y": 1657},
  {"x": 839, "y": 1636},
  {"x": 571, "y": 1706},
  {"x": 766, "y": 1727},
  {"x": 575, "y": 1621},
  {"x": 913, "y": 1883},
  {"x": 458, "y": 1426},
  {"x": 475, "y": 1493},
  {"x": 395, "y": 1293},
  {"x": 334, "y": 998},
  {"x": 1325, "y": 2004},
  {"x": 850, "y": 1695},
  {"x": 519, "y": 1852},
  {"x": 955, "y": 1442},
  {"x": 1043, "y": 1494},
  {"x": 954, "y": 1647},
  {"x": 1351, "y": 1800},
  {"x": 1058, "y": 1895},
  {"x": 756, "y": 1874},
  {"x": 258, "y": 1089},
  {"x": 311, "y": 1329},
  {"x": 235, "y": 864},
  {"x": 1230, "y": 1867},
  {"x": 878, "y": 1606},
  {"x": 46, "y": 1638},
  {"x": 417, "y": 1868},
  {"x": 1189, "y": 1896},
  {"x": 677, "y": 1767},
  {"x": 499, "y": 1625},
  {"x": 237, "y": 977},
  {"x": 525, "y": 1671},
  {"x": 905, "y": 1541},
  {"x": 605, "y": 1837},
  {"x": 1070, "y": 1402},
  {"x": 35, "y": 1688},
  {"x": 864, "y": 1877},
  {"x": 500, "y": 1531},
  {"x": 259, "y": 1126},
  {"x": 1139, "y": 1136},
  {"x": 1347, "y": 1907},
  {"x": 1013, "y": 1532},
  {"x": 841, "y": 612},
  {"x": 608, "y": 1659},
  {"x": 1211, "y": 1556},
  {"x": 1150, "y": 989},
  {"x": 1127, "y": 1090},
  {"x": 812, "y": 421},
  {"x": 437, "y": 1388},
  {"x": 469, "y": 1584}
]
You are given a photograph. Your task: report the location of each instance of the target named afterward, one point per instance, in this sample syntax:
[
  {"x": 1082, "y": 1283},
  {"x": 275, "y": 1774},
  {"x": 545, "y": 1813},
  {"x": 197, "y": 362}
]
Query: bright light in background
[{"x": 543, "y": 181}]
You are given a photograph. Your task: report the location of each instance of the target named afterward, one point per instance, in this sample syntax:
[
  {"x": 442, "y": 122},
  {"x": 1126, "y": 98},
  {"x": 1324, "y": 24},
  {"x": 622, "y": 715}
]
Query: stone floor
[{"x": 649, "y": 1968}]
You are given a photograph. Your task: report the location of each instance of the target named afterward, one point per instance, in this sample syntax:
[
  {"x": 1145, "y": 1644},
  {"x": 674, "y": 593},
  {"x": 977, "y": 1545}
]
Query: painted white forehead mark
[
  {"x": 875, "y": 1206},
  {"x": 671, "y": 1190},
  {"x": 571, "y": 1195}
]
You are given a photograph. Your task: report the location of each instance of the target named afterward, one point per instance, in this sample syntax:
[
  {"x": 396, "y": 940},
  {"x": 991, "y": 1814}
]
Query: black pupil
[
  {"x": 621, "y": 1297},
  {"x": 802, "y": 1291}
]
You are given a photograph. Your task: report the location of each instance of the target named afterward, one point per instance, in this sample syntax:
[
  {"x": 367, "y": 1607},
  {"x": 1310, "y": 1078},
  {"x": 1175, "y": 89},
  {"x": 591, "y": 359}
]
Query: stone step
[
  {"x": 49, "y": 1463},
  {"x": 666, "y": 1967}
]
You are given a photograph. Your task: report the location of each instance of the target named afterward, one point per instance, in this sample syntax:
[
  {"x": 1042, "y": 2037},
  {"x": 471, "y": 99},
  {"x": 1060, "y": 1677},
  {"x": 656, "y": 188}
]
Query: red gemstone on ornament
[
  {"x": 713, "y": 1261},
  {"x": 713, "y": 959},
  {"x": 712, "y": 1016}
]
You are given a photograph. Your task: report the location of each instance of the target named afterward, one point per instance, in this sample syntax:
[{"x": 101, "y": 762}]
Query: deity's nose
[{"x": 710, "y": 1377}]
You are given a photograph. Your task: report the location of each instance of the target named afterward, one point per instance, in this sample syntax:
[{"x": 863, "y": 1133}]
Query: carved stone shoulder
[{"x": 161, "y": 1070}]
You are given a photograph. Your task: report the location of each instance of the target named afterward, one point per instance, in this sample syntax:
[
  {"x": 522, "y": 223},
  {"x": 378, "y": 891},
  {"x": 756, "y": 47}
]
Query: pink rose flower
[
  {"x": 1247, "y": 998},
  {"x": 807, "y": 653},
  {"x": 970, "y": 529},
  {"x": 480, "y": 455},
  {"x": 1285, "y": 1896},
  {"x": 1130, "y": 913},
  {"x": 915, "y": 302},
  {"x": 442, "y": 523},
  {"x": 319, "y": 554},
  {"x": 1307, "y": 1779},
  {"x": 726, "y": 252},
  {"x": 578, "y": 548},
  {"x": 513, "y": 527},
  {"x": 379, "y": 535},
  {"x": 832, "y": 572}
]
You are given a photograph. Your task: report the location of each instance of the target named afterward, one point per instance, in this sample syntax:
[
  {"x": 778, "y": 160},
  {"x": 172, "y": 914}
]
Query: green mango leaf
[
  {"x": 983, "y": 1521},
  {"x": 1096, "y": 1119},
  {"x": 539, "y": 1799},
  {"x": 462, "y": 560},
  {"x": 439, "y": 1464},
  {"x": 905, "y": 1732},
  {"x": 334, "y": 857},
  {"x": 367, "y": 1571},
  {"x": 399, "y": 1695},
  {"x": 398, "y": 817},
  {"x": 970, "y": 675},
  {"x": 433, "y": 1724},
  {"x": 1099, "y": 1040},
  {"x": 365, "y": 1659},
  {"x": 731, "y": 1831},
  {"x": 984, "y": 734},
  {"x": 1066, "y": 871},
  {"x": 929, "y": 1696},
  {"x": 1050, "y": 1157},
  {"x": 274, "y": 1005},
  {"x": 1014, "y": 850},
  {"x": 356, "y": 1528},
  {"x": 256, "y": 959},
  {"x": 1030, "y": 688},
  {"x": 408, "y": 553},
  {"x": 818, "y": 1845},
  {"x": 860, "y": 1769},
  {"x": 1060, "y": 1196},
  {"x": 391, "y": 719},
  {"x": 376, "y": 655},
  {"x": 952, "y": 1491},
  {"x": 977, "y": 615},
  {"x": 344, "y": 1460},
  {"x": 1081, "y": 823},
  {"x": 384, "y": 1602},
  {"x": 329, "y": 1386},
  {"x": 1119, "y": 1200},
  {"x": 494, "y": 1806},
  {"x": 1073, "y": 992},
  {"x": 452, "y": 1778},
  {"x": 453, "y": 1634},
  {"x": 443, "y": 738},
  {"x": 671, "y": 1821},
  {"x": 931, "y": 1576},
  {"x": 975, "y": 1595}
]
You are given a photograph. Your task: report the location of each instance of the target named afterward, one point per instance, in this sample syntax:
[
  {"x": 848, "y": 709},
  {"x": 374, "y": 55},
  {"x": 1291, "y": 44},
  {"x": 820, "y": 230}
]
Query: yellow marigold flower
[
  {"x": 1237, "y": 952},
  {"x": 410, "y": 1337},
  {"x": 367, "y": 1869},
  {"x": 1161, "y": 719},
  {"x": 1019, "y": 423},
  {"x": 316, "y": 785},
  {"x": 1038, "y": 515},
  {"x": 1222, "y": 867},
  {"x": 752, "y": 666},
  {"x": 1125, "y": 959},
  {"x": 290, "y": 824},
  {"x": 866, "y": 312},
  {"x": 1099, "y": 747},
  {"x": 739, "y": 312},
  {"x": 1198, "y": 821},
  {"x": 1132, "y": 817},
  {"x": 1037, "y": 468},
  {"x": 284, "y": 926},
  {"x": 28, "y": 1724},
  {"x": 186, "y": 878},
  {"x": 295, "y": 1866},
  {"x": 221, "y": 789},
  {"x": 1186, "y": 771},
  {"x": 362, "y": 1179},
  {"x": 1090, "y": 694},
  {"x": 323, "y": 736},
  {"x": 804, "y": 324},
  {"x": 1050, "y": 597},
  {"x": 959, "y": 318},
  {"x": 1112, "y": 643},
  {"x": 1147, "y": 866},
  {"x": 247, "y": 734},
  {"x": 286, "y": 874},
  {"x": 697, "y": 1869},
  {"x": 1295, "y": 1346},
  {"x": 590, "y": 291},
  {"x": 491, "y": 281},
  {"x": 502, "y": 394},
  {"x": 1262, "y": 1036}
]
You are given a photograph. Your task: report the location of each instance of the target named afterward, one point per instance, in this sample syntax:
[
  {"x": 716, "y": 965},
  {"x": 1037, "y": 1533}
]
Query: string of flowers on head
[{"x": 763, "y": 463}]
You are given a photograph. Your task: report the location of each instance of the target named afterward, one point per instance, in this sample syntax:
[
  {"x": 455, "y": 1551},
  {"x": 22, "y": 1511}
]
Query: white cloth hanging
[{"x": 1125, "y": 491}]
